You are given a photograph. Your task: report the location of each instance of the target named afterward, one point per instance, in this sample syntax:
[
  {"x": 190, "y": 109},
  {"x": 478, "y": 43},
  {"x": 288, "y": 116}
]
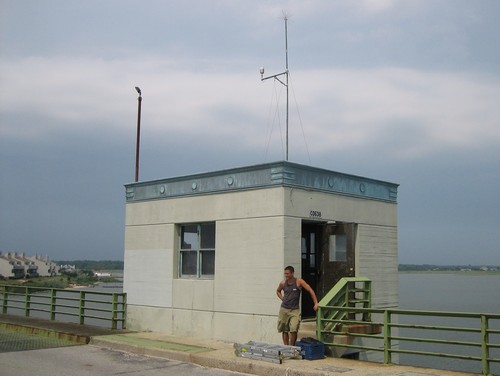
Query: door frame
[{"x": 322, "y": 262}]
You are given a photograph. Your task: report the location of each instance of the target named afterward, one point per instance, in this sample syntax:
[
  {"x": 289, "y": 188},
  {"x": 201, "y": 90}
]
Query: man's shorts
[{"x": 288, "y": 320}]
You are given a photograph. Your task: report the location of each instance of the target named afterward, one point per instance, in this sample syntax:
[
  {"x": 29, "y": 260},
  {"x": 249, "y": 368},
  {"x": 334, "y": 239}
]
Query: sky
[{"x": 401, "y": 91}]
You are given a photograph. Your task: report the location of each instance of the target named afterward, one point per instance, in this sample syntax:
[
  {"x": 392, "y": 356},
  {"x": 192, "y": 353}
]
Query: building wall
[
  {"x": 376, "y": 254},
  {"x": 377, "y": 259},
  {"x": 248, "y": 266},
  {"x": 5, "y": 267},
  {"x": 333, "y": 207},
  {"x": 7, "y": 261},
  {"x": 258, "y": 232},
  {"x": 148, "y": 263}
]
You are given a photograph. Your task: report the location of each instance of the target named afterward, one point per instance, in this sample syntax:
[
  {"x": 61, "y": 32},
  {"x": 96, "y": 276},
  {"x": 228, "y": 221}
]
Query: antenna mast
[{"x": 285, "y": 83}]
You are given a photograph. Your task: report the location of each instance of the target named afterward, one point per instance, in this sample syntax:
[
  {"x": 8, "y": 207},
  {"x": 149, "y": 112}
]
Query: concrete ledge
[
  {"x": 150, "y": 347},
  {"x": 76, "y": 338}
]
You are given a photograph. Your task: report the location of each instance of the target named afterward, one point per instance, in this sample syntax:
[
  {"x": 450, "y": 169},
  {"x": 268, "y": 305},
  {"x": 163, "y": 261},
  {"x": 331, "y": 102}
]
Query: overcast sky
[{"x": 402, "y": 91}]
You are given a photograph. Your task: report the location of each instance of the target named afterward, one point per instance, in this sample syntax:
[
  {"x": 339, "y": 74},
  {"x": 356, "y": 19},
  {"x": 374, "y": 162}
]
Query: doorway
[{"x": 327, "y": 252}]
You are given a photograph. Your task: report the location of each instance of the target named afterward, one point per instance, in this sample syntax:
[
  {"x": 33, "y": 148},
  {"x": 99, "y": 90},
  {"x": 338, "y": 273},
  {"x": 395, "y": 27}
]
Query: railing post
[
  {"x": 5, "y": 299},
  {"x": 319, "y": 325},
  {"x": 367, "y": 285},
  {"x": 113, "y": 310},
  {"x": 485, "y": 349},
  {"x": 387, "y": 337},
  {"x": 124, "y": 309},
  {"x": 27, "y": 302},
  {"x": 53, "y": 299},
  {"x": 346, "y": 297},
  {"x": 81, "y": 312}
]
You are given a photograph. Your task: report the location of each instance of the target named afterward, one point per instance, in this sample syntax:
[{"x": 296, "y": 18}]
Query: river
[{"x": 457, "y": 292}]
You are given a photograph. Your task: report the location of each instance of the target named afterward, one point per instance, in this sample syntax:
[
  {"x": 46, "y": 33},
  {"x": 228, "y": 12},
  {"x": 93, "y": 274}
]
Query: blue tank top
[{"x": 292, "y": 295}]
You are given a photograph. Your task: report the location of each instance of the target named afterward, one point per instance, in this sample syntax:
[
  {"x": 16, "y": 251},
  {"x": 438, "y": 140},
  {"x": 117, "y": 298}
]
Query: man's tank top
[{"x": 292, "y": 295}]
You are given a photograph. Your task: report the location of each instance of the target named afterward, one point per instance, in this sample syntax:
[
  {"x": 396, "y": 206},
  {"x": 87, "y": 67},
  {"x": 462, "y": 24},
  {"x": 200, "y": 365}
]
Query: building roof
[{"x": 275, "y": 174}]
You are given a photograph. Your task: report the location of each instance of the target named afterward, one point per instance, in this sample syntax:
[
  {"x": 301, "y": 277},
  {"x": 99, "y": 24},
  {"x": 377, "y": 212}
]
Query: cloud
[
  {"x": 400, "y": 91},
  {"x": 359, "y": 108},
  {"x": 340, "y": 108},
  {"x": 375, "y": 6}
]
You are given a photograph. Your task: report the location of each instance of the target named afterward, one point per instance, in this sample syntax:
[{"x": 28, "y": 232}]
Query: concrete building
[
  {"x": 18, "y": 265},
  {"x": 44, "y": 266},
  {"x": 11, "y": 266},
  {"x": 204, "y": 253}
]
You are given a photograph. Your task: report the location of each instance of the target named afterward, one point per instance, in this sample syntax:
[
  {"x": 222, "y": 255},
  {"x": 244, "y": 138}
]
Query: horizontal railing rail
[
  {"x": 402, "y": 329},
  {"x": 53, "y": 303}
]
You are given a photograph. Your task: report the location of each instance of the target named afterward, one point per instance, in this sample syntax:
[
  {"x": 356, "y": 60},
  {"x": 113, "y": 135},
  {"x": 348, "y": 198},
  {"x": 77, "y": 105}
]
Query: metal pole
[
  {"x": 286, "y": 71},
  {"x": 283, "y": 82},
  {"x": 485, "y": 350},
  {"x": 387, "y": 337},
  {"x": 139, "y": 101}
]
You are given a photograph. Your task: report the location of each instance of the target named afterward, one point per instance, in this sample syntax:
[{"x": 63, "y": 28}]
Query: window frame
[{"x": 200, "y": 252}]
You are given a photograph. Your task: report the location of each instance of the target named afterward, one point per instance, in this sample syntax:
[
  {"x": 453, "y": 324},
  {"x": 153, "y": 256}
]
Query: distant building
[
  {"x": 204, "y": 253},
  {"x": 18, "y": 265},
  {"x": 44, "y": 266},
  {"x": 67, "y": 269},
  {"x": 102, "y": 274}
]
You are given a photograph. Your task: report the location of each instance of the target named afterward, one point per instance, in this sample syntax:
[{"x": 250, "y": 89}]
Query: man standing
[{"x": 289, "y": 316}]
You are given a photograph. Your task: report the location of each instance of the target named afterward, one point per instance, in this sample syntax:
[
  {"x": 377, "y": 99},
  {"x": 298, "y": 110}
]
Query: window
[
  {"x": 338, "y": 247},
  {"x": 197, "y": 250}
]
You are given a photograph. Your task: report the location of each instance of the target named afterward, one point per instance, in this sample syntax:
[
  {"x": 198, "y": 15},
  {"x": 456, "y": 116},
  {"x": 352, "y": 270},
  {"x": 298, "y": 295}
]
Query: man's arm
[
  {"x": 303, "y": 284},
  {"x": 280, "y": 289}
]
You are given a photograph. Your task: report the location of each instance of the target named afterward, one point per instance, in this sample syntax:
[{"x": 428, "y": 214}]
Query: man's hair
[{"x": 289, "y": 267}]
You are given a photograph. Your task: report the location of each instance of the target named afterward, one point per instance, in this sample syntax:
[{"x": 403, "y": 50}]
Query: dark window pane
[
  {"x": 188, "y": 262},
  {"x": 189, "y": 237},
  {"x": 197, "y": 250},
  {"x": 341, "y": 247},
  {"x": 207, "y": 262},
  {"x": 208, "y": 236}
]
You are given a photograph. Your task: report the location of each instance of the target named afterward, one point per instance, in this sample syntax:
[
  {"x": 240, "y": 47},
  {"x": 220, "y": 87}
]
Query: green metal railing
[
  {"x": 348, "y": 292},
  {"x": 84, "y": 304},
  {"x": 466, "y": 336}
]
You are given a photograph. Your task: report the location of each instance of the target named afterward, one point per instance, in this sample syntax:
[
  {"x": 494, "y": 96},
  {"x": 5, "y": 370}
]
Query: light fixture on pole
[
  {"x": 285, "y": 83},
  {"x": 138, "y": 139}
]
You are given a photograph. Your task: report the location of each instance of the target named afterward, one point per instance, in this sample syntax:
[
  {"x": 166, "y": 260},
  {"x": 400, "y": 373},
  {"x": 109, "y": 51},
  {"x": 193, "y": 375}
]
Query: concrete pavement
[
  {"x": 87, "y": 360},
  {"x": 216, "y": 354},
  {"x": 219, "y": 354}
]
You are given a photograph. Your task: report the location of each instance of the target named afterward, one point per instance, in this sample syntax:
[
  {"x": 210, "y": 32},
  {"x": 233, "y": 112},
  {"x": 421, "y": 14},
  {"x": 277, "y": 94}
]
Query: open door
[
  {"x": 337, "y": 255},
  {"x": 327, "y": 252},
  {"x": 311, "y": 258}
]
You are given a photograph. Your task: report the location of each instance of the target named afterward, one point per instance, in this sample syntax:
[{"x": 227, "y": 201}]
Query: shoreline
[{"x": 461, "y": 272}]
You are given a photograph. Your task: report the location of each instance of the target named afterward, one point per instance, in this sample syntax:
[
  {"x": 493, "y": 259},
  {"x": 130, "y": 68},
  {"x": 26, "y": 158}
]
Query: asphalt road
[{"x": 88, "y": 360}]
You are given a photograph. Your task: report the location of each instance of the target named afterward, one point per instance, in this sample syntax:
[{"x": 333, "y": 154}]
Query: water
[{"x": 457, "y": 292}]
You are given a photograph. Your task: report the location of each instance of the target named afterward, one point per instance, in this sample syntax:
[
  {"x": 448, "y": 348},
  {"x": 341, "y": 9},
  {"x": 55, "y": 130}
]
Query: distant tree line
[
  {"x": 430, "y": 267},
  {"x": 118, "y": 265},
  {"x": 94, "y": 265}
]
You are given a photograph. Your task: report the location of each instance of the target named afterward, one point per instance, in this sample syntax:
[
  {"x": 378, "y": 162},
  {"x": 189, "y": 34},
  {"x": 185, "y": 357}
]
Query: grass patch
[{"x": 164, "y": 345}]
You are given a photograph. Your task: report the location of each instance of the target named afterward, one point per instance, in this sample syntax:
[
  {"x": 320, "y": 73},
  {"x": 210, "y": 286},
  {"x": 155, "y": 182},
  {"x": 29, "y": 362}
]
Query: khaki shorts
[{"x": 288, "y": 320}]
